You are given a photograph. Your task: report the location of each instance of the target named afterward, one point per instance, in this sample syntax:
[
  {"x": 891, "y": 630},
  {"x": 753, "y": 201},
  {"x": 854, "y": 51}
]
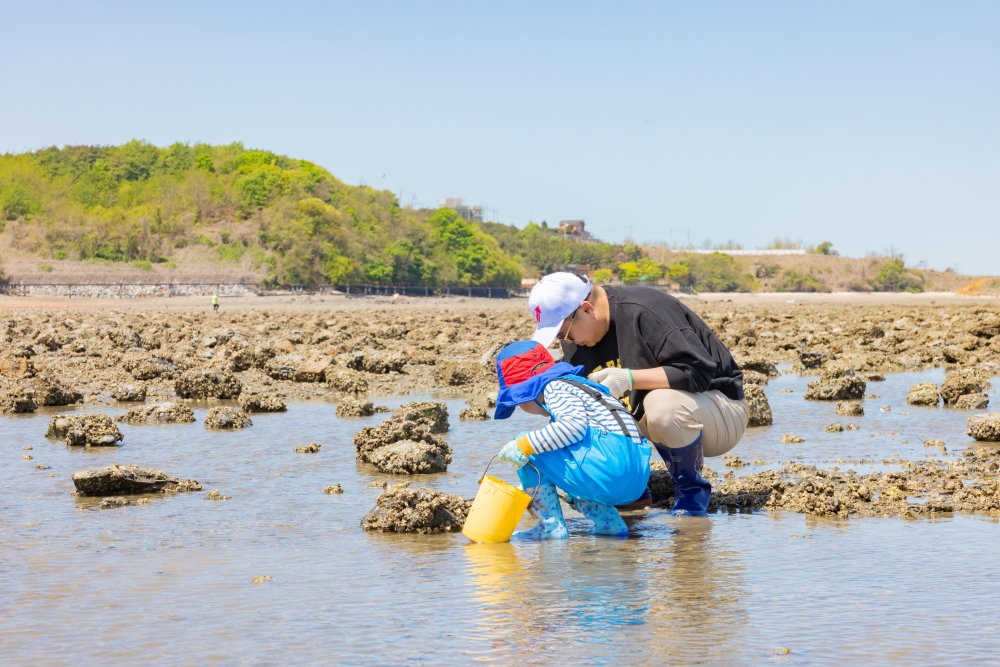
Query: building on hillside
[
  {"x": 470, "y": 213},
  {"x": 574, "y": 229},
  {"x": 576, "y": 269}
]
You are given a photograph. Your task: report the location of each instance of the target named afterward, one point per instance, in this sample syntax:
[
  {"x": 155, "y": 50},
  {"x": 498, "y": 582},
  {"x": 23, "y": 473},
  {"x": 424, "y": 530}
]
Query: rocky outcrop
[
  {"x": 761, "y": 365},
  {"x": 17, "y": 400},
  {"x": 373, "y": 361},
  {"x": 222, "y": 418},
  {"x": 85, "y": 430},
  {"x": 984, "y": 427},
  {"x": 473, "y": 415},
  {"x": 49, "y": 391},
  {"x": 405, "y": 443},
  {"x": 420, "y": 510},
  {"x": 345, "y": 381},
  {"x": 925, "y": 393},
  {"x": 312, "y": 369},
  {"x": 408, "y": 457},
  {"x": 837, "y": 383},
  {"x": 162, "y": 413},
  {"x": 758, "y": 408},
  {"x": 311, "y": 448},
  {"x": 850, "y": 409},
  {"x": 208, "y": 383},
  {"x": 119, "y": 480},
  {"x": 283, "y": 367},
  {"x": 973, "y": 402},
  {"x": 260, "y": 402},
  {"x": 129, "y": 393},
  {"x": 355, "y": 407},
  {"x": 965, "y": 381}
]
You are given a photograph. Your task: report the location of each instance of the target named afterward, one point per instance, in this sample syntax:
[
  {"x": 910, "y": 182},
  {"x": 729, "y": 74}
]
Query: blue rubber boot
[
  {"x": 546, "y": 508},
  {"x": 607, "y": 520},
  {"x": 691, "y": 491}
]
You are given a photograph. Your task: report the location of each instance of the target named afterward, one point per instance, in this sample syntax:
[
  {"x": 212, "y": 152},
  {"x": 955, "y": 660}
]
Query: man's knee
[{"x": 669, "y": 418}]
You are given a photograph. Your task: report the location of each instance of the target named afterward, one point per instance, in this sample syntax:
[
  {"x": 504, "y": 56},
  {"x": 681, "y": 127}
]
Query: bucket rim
[{"x": 506, "y": 487}]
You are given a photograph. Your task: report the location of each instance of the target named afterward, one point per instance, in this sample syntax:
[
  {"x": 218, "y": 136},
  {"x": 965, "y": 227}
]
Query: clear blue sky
[{"x": 868, "y": 124}]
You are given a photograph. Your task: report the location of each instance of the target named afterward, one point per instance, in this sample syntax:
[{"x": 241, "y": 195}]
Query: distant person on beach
[
  {"x": 679, "y": 381},
  {"x": 215, "y": 301}
]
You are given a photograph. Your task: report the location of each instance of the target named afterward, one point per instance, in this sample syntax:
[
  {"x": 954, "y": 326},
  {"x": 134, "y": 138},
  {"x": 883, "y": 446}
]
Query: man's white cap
[{"x": 552, "y": 300}]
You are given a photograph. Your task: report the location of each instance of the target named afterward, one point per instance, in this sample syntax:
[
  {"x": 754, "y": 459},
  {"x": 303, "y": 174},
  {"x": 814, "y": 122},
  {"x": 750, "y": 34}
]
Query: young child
[{"x": 592, "y": 448}]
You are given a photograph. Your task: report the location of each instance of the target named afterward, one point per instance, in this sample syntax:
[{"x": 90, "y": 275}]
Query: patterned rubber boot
[
  {"x": 546, "y": 507},
  {"x": 691, "y": 491},
  {"x": 607, "y": 520}
]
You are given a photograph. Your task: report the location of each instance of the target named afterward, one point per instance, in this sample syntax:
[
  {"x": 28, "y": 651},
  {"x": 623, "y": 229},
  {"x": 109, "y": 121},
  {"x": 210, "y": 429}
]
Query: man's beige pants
[{"x": 674, "y": 418}]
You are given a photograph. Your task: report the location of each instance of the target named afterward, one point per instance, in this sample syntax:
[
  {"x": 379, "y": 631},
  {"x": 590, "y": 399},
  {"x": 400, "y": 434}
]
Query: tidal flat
[{"x": 281, "y": 571}]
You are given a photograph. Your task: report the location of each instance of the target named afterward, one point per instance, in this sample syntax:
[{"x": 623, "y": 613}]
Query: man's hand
[
  {"x": 513, "y": 455},
  {"x": 617, "y": 380}
]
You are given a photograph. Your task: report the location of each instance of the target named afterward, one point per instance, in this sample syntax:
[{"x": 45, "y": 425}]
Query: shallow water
[{"x": 170, "y": 583}]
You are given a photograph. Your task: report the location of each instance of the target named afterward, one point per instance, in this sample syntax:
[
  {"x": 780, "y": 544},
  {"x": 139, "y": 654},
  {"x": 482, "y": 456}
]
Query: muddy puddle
[{"x": 172, "y": 581}]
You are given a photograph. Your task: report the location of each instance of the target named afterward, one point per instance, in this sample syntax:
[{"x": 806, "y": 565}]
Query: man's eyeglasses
[{"x": 565, "y": 336}]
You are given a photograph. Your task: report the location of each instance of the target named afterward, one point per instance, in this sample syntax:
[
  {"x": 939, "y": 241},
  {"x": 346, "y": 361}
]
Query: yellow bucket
[{"x": 495, "y": 512}]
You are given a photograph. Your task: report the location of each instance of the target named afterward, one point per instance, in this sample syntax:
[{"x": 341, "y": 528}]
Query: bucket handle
[{"x": 481, "y": 477}]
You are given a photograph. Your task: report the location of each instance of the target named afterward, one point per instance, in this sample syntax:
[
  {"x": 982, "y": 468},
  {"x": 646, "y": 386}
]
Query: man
[
  {"x": 684, "y": 388},
  {"x": 215, "y": 301}
]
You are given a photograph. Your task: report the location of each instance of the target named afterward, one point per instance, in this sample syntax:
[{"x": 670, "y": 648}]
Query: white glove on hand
[
  {"x": 617, "y": 380},
  {"x": 513, "y": 455}
]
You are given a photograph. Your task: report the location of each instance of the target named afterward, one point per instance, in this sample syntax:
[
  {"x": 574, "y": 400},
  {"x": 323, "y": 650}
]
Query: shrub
[
  {"x": 143, "y": 265},
  {"x": 47, "y": 268}
]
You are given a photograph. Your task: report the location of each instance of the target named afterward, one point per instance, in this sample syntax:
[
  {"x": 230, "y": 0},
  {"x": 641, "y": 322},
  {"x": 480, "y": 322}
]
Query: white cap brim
[{"x": 545, "y": 335}]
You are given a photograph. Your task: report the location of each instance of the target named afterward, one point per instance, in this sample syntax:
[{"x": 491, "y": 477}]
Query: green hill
[{"x": 289, "y": 220}]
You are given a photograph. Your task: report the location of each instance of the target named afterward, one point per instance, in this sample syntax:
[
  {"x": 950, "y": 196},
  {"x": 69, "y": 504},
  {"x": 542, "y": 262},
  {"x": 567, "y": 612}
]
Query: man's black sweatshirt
[{"x": 653, "y": 329}]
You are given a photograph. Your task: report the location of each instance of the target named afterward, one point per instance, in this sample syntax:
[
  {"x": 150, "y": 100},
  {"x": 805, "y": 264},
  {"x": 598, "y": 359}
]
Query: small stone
[
  {"x": 311, "y": 448},
  {"x": 28, "y": 448},
  {"x": 115, "y": 501},
  {"x": 223, "y": 418},
  {"x": 355, "y": 407},
  {"x": 934, "y": 443},
  {"x": 42, "y": 466},
  {"x": 261, "y": 579},
  {"x": 972, "y": 402},
  {"x": 160, "y": 413},
  {"x": 885, "y": 408},
  {"x": 733, "y": 461},
  {"x": 422, "y": 510},
  {"x": 875, "y": 377},
  {"x": 759, "y": 410},
  {"x": 925, "y": 393},
  {"x": 851, "y": 427},
  {"x": 27, "y": 457},
  {"x": 790, "y": 439},
  {"x": 119, "y": 479},
  {"x": 850, "y": 409},
  {"x": 834, "y": 428},
  {"x": 125, "y": 393},
  {"x": 786, "y": 391},
  {"x": 985, "y": 427},
  {"x": 473, "y": 415},
  {"x": 215, "y": 495},
  {"x": 259, "y": 402},
  {"x": 333, "y": 490},
  {"x": 759, "y": 462}
]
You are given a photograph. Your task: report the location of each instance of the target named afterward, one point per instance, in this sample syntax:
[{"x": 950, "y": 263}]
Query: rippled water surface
[{"x": 170, "y": 583}]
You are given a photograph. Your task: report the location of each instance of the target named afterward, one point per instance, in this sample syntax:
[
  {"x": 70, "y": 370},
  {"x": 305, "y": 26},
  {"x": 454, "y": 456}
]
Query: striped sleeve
[{"x": 568, "y": 425}]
